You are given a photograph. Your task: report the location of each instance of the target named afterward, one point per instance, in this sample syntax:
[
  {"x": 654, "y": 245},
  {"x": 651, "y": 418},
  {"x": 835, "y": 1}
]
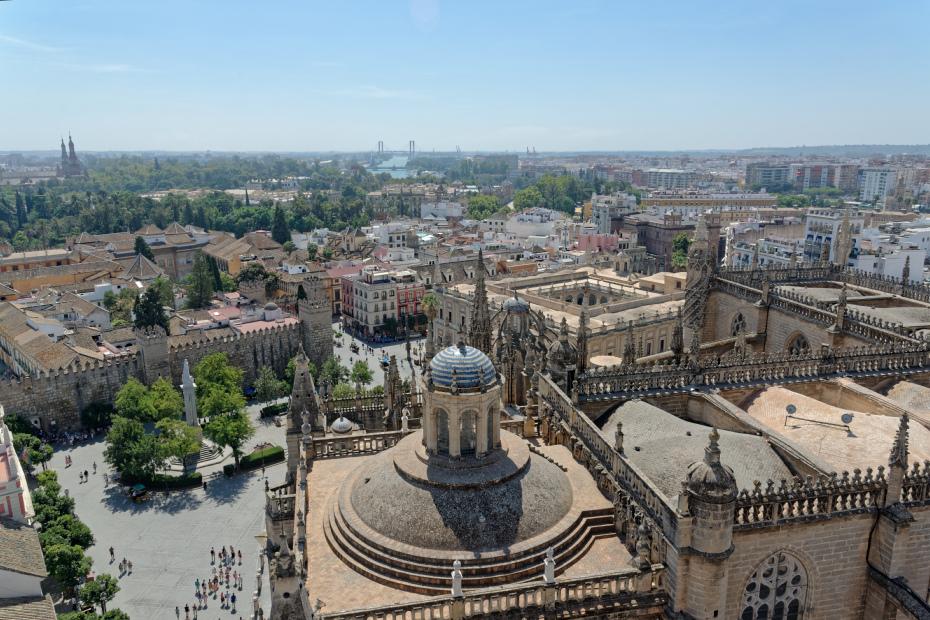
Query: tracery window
[
  {"x": 798, "y": 345},
  {"x": 738, "y": 325},
  {"x": 776, "y": 590}
]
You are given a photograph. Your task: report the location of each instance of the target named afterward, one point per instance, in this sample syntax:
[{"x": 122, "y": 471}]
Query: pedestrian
[
  {"x": 204, "y": 485},
  {"x": 222, "y": 601},
  {"x": 112, "y": 556},
  {"x": 129, "y": 564},
  {"x": 212, "y": 555},
  {"x": 95, "y": 468},
  {"x": 240, "y": 557},
  {"x": 123, "y": 565},
  {"x": 106, "y": 479},
  {"x": 263, "y": 470},
  {"x": 177, "y": 611},
  {"x": 86, "y": 475},
  {"x": 187, "y": 612},
  {"x": 232, "y": 599},
  {"x": 197, "y": 585}
]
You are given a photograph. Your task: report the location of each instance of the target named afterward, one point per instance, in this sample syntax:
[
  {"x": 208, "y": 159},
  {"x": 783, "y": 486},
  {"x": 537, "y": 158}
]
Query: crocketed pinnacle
[
  {"x": 479, "y": 333},
  {"x": 899, "y": 448}
]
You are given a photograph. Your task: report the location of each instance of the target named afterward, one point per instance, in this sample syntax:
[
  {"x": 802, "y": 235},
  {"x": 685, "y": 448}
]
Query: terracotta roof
[
  {"x": 20, "y": 551},
  {"x": 27, "y": 608},
  {"x": 142, "y": 268},
  {"x": 150, "y": 229}
]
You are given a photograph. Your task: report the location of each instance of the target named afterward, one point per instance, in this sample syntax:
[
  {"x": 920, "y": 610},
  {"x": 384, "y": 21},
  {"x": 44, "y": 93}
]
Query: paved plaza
[
  {"x": 168, "y": 537},
  {"x": 347, "y": 358}
]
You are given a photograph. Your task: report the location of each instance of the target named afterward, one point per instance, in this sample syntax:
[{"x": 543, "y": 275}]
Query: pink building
[
  {"x": 597, "y": 243},
  {"x": 15, "y": 501}
]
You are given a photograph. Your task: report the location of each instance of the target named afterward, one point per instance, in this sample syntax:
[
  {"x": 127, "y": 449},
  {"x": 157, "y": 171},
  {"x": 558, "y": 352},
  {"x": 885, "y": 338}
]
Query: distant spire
[
  {"x": 906, "y": 272},
  {"x": 581, "y": 363}
]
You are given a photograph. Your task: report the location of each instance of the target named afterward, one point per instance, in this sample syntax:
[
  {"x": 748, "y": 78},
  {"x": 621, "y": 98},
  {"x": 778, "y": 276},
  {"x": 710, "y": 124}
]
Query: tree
[
  {"x": 527, "y": 199},
  {"x": 148, "y": 310},
  {"x": 68, "y": 530},
  {"x": 214, "y": 370},
  {"x": 482, "y": 206},
  {"x": 333, "y": 371},
  {"x": 36, "y": 452},
  {"x": 200, "y": 290},
  {"x": 311, "y": 251},
  {"x": 165, "y": 400},
  {"x": 132, "y": 451},
  {"x": 230, "y": 429},
  {"x": 97, "y": 415},
  {"x": 280, "y": 231},
  {"x": 254, "y": 271},
  {"x": 267, "y": 385},
  {"x": 215, "y": 272},
  {"x": 343, "y": 390},
  {"x": 100, "y": 591},
  {"x": 164, "y": 289},
  {"x": 120, "y": 306},
  {"x": 67, "y": 564},
  {"x": 176, "y": 438},
  {"x": 133, "y": 402},
  {"x": 361, "y": 373},
  {"x": 301, "y": 293},
  {"x": 680, "y": 245},
  {"x": 289, "y": 246},
  {"x": 143, "y": 248},
  {"x": 327, "y": 253}
]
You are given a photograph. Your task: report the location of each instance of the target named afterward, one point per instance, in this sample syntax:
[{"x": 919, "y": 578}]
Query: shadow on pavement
[{"x": 117, "y": 500}]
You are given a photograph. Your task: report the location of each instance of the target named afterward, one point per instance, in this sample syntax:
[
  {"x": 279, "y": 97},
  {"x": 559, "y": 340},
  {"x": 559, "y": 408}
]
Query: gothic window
[
  {"x": 469, "y": 439},
  {"x": 798, "y": 345},
  {"x": 738, "y": 325},
  {"x": 776, "y": 590},
  {"x": 442, "y": 432}
]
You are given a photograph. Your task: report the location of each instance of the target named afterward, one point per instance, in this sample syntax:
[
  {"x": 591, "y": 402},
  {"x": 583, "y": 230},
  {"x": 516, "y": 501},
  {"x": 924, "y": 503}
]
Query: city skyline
[{"x": 589, "y": 77}]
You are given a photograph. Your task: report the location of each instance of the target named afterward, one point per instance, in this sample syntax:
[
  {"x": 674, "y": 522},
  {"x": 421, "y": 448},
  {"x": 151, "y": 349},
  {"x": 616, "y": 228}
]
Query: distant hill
[{"x": 845, "y": 150}]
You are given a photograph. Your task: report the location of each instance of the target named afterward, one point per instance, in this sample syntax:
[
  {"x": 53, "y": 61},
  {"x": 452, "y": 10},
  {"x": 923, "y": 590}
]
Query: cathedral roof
[
  {"x": 517, "y": 305},
  {"x": 465, "y": 366}
]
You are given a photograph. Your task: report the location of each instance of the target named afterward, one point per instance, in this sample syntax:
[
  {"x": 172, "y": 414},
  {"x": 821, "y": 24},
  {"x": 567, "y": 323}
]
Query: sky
[{"x": 480, "y": 75}]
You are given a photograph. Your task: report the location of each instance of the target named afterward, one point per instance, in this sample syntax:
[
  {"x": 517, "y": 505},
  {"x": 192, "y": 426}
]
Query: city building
[
  {"x": 670, "y": 178},
  {"x": 765, "y": 175},
  {"x": 875, "y": 184}
]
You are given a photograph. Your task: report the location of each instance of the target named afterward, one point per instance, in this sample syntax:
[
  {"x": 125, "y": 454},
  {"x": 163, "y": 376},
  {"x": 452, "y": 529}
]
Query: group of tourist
[{"x": 224, "y": 581}]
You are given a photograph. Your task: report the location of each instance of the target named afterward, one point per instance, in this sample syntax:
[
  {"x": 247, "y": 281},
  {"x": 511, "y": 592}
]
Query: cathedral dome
[
  {"x": 515, "y": 305},
  {"x": 466, "y": 366},
  {"x": 341, "y": 426}
]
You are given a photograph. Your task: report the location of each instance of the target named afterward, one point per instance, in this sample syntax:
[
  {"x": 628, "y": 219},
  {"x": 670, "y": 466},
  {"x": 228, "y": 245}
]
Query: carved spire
[
  {"x": 709, "y": 479},
  {"x": 678, "y": 336},
  {"x": 840, "y": 320},
  {"x": 479, "y": 333},
  {"x": 755, "y": 256},
  {"x": 618, "y": 437},
  {"x": 899, "y": 448},
  {"x": 581, "y": 363},
  {"x": 906, "y": 271},
  {"x": 842, "y": 245}
]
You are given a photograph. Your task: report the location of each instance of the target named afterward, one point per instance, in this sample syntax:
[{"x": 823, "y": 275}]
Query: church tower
[
  {"x": 304, "y": 400},
  {"x": 700, "y": 268},
  {"x": 479, "y": 333}
]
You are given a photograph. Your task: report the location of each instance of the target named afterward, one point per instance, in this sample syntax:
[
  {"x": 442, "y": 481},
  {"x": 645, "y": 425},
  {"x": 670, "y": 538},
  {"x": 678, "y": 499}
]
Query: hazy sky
[{"x": 575, "y": 74}]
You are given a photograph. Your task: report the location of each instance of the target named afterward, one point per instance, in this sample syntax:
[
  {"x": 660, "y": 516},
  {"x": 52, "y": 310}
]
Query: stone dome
[
  {"x": 710, "y": 479},
  {"x": 469, "y": 367},
  {"x": 515, "y": 305},
  {"x": 271, "y": 306},
  {"x": 341, "y": 426}
]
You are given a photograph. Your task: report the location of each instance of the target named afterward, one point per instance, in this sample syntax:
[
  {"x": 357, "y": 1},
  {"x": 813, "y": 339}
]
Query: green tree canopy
[
  {"x": 143, "y": 248},
  {"x": 251, "y": 272},
  {"x": 280, "y": 231},
  {"x": 166, "y": 400},
  {"x": 268, "y": 386},
  {"x": 149, "y": 311},
  {"x": 37, "y": 452},
  {"x": 66, "y": 529},
  {"x": 67, "y": 564},
  {"x": 482, "y": 206},
  {"x": 131, "y": 451},
  {"x": 361, "y": 373},
  {"x": 214, "y": 370},
  {"x": 527, "y": 199},
  {"x": 201, "y": 286},
  {"x": 176, "y": 438},
  {"x": 133, "y": 402},
  {"x": 100, "y": 591},
  {"x": 230, "y": 429},
  {"x": 334, "y": 371}
]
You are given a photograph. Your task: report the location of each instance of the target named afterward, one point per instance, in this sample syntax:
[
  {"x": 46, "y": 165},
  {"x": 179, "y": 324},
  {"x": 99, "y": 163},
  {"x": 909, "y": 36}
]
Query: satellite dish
[
  {"x": 791, "y": 409},
  {"x": 846, "y": 418}
]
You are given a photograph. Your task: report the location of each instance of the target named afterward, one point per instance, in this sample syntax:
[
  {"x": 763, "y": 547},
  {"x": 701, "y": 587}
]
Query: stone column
[
  {"x": 455, "y": 434},
  {"x": 482, "y": 423},
  {"x": 496, "y": 429},
  {"x": 430, "y": 431}
]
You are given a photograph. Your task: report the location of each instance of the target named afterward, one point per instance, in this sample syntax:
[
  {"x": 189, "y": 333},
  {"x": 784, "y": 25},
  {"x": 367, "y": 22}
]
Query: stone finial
[
  {"x": 549, "y": 567},
  {"x": 454, "y": 382},
  {"x": 643, "y": 560},
  {"x": 618, "y": 438},
  {"x": 906, "y": 271},
  {"x": 457, "y": 579},
  {"x": 899, "y": 450},
  {"x": 709, "y": 479},
  {"x": 405, "y": 420}
]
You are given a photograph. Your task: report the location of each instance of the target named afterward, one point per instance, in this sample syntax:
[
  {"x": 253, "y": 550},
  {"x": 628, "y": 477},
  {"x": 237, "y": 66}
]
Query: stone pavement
[{"x": 168, "y": 537}]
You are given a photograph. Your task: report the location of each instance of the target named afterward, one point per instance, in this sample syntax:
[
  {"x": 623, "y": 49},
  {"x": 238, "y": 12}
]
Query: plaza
[{"x": 168, "y": 537}]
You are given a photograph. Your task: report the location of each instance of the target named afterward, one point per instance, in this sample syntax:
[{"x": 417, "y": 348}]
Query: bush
[
  {"x": 162, "y": 482},
  {"x": 272, "y": 410},
  {"x": 265, "y": 456}
]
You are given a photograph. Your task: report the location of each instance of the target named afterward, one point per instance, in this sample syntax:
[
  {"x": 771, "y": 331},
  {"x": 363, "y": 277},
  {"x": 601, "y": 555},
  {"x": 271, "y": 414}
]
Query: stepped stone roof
[
  {"x": 664, "y": 447},
  {"x": 35, "y": 608}
]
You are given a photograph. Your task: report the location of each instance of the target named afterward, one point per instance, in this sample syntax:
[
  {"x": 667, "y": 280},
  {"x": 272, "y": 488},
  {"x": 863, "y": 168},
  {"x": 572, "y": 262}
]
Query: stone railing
[
  {"x": 356, "y": 444},
  {"x": 620, "y": 473},
  {"x": 809, "y": 500},
  {"x": 916, "y": 487},
  {"x": 633, "y": 380},
  {"x": 280, "y": 505},
  {"x": 610, "y": 593}
]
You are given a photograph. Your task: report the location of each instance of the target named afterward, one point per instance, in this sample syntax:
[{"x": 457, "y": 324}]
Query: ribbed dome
[
  {"x": 341, "y": 425},
  {"x": 516, "y": 305},
  {"x": 469, "y": 366}
]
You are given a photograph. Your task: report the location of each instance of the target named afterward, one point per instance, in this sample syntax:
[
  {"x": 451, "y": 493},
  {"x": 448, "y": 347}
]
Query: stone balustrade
[
  {"x": 609, "y": 593},
  {"x": 916, "y": 487},
  {"x": 356, "y": 444}
]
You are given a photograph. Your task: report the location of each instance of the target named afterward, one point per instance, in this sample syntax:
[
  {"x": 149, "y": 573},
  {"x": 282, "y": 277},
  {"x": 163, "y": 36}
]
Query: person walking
[
  {"x": 95, "y": 468},
  {"x": 240, "y": 557},
  {"x": 112, "y": 556},
  {"x": 187, "y": 612},
  {"x": 212, "y": 555},
  {"x": 86, "y": 475},
  {"x": 129, "y": 565},
  {"x": 177, "y": 612},
  {"x": 232, "y": 599}
]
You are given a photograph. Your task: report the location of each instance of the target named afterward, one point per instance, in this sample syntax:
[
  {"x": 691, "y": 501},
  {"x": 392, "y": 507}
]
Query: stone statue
[
  {"x": 405, "y": 420},
  {"x": 549, "y": 567},
  {"x": 457, "y": 579}
]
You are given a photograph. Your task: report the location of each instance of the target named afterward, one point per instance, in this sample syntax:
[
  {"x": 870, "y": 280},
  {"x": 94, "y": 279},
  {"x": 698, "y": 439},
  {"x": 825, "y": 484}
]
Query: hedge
[
  {"x": 161, "y": 482},
  {"x": 265, "y": 456},
  {"x": 272, "y": 410}
]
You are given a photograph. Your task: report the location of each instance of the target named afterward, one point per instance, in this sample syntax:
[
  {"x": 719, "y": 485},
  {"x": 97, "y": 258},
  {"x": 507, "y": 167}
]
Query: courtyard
[{"x": 168, "y": 537}]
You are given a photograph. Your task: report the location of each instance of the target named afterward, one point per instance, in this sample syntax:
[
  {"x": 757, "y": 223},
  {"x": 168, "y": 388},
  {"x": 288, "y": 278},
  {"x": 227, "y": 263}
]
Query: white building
[
  {"x": 670, "y": 178},
  {"x": 891, "y": 263},
  {"x": 821, "y": 226},
  {"x": 606, "y": 207},
  {"x": 441, "y": 210},
  {"x": 876, "y": 183},
  {"x": 536, "y": 221}
]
